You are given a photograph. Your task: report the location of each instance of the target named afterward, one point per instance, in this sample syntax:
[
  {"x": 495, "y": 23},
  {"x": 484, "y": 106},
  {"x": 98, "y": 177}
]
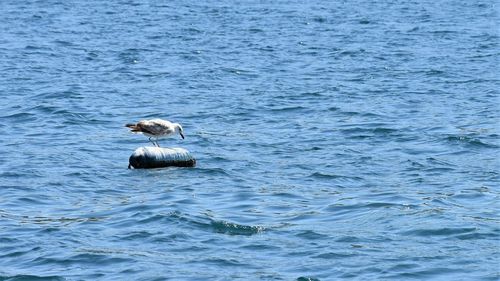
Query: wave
[
  {"x": 206, "y": 224},
  {"x": 20, "y": 117},
  {"x": 289, "y": 109},
  {"x": 440, "y": 231},
  {"x": 231, "y": 228},
  {"x": 468, "y": 141},
  {"x": 23, "y": 277},
  {"x": 322, "y": 175}
]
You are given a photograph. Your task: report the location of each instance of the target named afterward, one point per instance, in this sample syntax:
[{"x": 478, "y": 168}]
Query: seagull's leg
[
  {"x": 154, "y": 141},
  {"x": 157, "y": 144}
]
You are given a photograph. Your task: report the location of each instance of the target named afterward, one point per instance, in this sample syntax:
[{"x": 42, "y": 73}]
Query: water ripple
[{"x": 330, "y": 141}]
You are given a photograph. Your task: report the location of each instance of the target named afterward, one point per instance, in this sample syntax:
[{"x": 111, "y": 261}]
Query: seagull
[{"x": 156, "y": 128}]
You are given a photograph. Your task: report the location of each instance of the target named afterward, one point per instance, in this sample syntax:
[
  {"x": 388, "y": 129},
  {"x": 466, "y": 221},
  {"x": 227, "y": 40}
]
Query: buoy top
[{"x": 155, "y": 157}]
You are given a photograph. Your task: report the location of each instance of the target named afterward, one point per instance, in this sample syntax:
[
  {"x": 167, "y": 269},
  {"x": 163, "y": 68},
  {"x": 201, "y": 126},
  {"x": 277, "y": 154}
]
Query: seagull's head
[{"x": 179, "y": 130}]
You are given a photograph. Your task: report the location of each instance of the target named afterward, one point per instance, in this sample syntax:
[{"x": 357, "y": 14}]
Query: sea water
[{"x": 334, "y": 140}]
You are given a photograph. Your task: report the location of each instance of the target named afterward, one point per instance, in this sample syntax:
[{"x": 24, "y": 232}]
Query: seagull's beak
[{"x": 181, "y": 135}]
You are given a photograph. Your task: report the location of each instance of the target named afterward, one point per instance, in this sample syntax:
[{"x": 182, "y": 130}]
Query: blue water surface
[{"x": 334, "y": 139}]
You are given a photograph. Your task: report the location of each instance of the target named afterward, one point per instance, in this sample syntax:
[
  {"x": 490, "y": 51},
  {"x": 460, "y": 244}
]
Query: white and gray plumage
[{"x": 156, "y": 129}]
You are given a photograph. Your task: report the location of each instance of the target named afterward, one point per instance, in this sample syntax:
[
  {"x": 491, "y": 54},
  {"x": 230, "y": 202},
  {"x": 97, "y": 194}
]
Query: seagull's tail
[{"x": 133, "y": 127}]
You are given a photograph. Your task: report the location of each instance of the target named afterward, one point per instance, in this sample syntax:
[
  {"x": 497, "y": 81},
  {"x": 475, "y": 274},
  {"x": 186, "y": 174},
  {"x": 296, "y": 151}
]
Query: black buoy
[{"x": 147, "y": 157}]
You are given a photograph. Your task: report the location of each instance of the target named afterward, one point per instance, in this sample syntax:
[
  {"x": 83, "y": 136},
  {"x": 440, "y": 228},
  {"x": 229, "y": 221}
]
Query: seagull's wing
[{"x": 155, "y": 127}]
